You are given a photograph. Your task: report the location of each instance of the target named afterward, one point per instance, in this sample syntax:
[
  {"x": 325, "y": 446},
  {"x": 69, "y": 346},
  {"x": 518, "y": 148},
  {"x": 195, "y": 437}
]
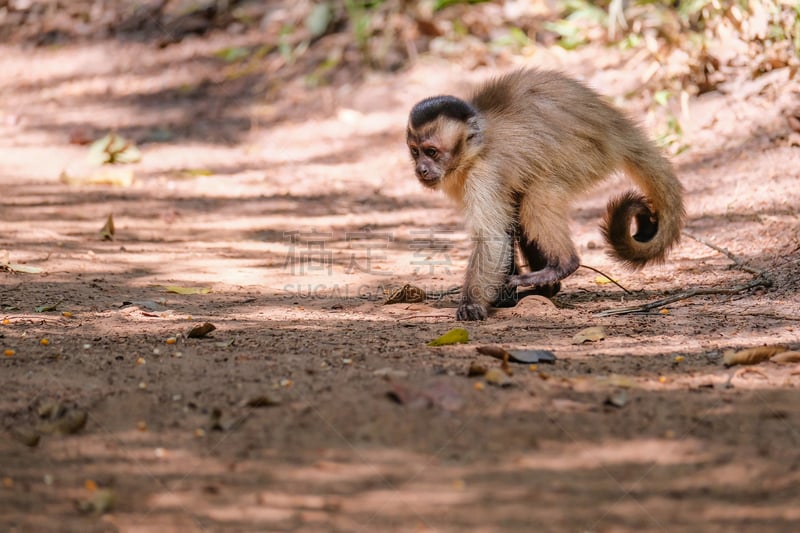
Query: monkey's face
[
  {"x": 436, "y": 150},
  {"x": 429, "y": 160}
]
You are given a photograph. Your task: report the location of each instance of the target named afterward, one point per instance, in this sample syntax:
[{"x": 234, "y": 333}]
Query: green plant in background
[
  {"x": 672, "y": 134},
  {"x": 571, "y": 28},
  {"x": 441, "y": 4},
  {"x": 515, "y": 40},
  {"x": 360, "y": 21}
]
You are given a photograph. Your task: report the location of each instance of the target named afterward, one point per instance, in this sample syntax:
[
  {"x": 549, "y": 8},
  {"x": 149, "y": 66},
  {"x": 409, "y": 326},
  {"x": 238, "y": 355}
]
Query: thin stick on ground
[
  {"x": 761, "y": 279},
  {"x": 609, "y": 278},
  {"x": 738, "y": 262}
]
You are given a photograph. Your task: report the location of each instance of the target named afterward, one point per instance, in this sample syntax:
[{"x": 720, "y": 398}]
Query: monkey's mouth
[{"x": 429, "y": 181}]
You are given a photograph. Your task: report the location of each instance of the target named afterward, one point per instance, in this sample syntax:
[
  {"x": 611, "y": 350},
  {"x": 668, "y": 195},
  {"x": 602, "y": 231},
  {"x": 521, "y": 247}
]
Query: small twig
[
  {"x": 760, "y": 280},
  {"x": 609, "y": 278},
  {"x": 738, "y": 262},
  {"x": 691, "y": 293}
]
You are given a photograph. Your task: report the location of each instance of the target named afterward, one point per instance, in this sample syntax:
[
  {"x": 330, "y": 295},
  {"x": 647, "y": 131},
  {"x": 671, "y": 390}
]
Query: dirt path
[{"x": 299, "y": 215}]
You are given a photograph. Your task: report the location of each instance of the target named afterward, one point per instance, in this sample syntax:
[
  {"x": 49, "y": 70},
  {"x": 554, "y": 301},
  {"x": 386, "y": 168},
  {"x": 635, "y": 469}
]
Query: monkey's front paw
[{"x": 471, "y": 312}]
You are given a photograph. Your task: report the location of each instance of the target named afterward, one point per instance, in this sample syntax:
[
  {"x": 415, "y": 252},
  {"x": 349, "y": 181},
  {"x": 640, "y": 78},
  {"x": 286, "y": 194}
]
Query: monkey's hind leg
[
  {"x": 537, "y": 261},
  {"x": 546, "y": 245}
]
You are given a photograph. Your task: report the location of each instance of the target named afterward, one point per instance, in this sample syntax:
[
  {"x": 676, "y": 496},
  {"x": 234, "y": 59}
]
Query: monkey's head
[{"x": 444, "y": 134}]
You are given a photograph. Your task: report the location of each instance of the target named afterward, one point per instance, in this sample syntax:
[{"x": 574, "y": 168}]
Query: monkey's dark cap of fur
[{"x": 449, "y": 106}]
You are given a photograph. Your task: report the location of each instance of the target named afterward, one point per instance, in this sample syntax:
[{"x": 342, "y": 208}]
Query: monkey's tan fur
[{"x": 536, "y": 140}]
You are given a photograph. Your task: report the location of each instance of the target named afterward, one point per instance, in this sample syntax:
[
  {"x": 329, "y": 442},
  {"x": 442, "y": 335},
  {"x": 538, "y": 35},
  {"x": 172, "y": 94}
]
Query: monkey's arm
[{"x": 490, "y": 216}]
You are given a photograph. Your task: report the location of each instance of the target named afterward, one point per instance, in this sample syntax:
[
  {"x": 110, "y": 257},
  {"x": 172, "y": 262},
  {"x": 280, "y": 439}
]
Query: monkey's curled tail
[{"x": 659, "y": 213}]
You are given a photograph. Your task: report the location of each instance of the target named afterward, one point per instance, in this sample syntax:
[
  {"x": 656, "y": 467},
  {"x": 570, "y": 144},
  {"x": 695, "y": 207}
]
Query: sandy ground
[{"x": 313, "y": 406}]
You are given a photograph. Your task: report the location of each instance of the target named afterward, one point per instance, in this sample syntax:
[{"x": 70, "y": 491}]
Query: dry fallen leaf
[
  {"x": 22, "y": 269},
  {"x": 201, "y": 330},
  {"x": 114, "y": 176},
  {"x": 786, "y": 357},
  {"x": 187, "y": 290},
  {"x": 454, "y": 336},
  {"x": 617, "y": 399},
  {"x": 593, "y": 334},
  {"x": 71, "y": 422},
  {"x": 107, "y": 232},
  {"x": 752, "y": 356},
  {"x": 112, "y": 149},
  {"x": 496, "y": 376},
  {"x": 100, "y": 502},
  {"x": 406, "y": 294},
  {"x": 492, "y": 350},
  {"x": 5, "y": 264},
  {"x": 476, "y": 369},
  {"x": 47, "y": 307}
]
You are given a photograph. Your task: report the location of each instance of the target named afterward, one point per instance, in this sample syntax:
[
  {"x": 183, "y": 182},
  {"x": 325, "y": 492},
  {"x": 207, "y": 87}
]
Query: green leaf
[
  {"x": 318, "y": 20},
  {"x": 454, "y": 336},
  {"x": 661, "y": 98},
  {"x": 47, "y": 307}
]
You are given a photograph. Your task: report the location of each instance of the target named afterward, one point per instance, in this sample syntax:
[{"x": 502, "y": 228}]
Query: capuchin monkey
[{"x": 514, "y": 156}]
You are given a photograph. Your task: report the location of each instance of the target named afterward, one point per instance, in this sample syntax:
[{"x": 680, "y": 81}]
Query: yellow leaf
[
  {"x": 194, "y": 172},
  {"x": 602, "y": 280},
  {"x": 107, "y": 232},
  {"x": 454, "y": 336},
  {"x": 114, "y": 176},
  {"x": 593, "y": 334},
  {"x": 406, "y": 294},
  {"x": 113, "y": 149},
  {"x": 187, "y": 290}
]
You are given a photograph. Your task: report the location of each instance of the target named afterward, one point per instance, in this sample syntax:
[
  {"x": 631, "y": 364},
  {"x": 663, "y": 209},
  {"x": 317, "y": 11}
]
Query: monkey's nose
[{"x": 423, "y": 171}]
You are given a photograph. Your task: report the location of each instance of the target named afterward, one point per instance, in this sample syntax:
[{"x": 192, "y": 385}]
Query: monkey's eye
[
  {"x": 431, "y": 152},
  {"x": 415, "y": 151}
]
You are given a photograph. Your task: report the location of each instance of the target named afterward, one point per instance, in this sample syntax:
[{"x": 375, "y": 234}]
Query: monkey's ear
[{"x": 474, "y": 130}]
